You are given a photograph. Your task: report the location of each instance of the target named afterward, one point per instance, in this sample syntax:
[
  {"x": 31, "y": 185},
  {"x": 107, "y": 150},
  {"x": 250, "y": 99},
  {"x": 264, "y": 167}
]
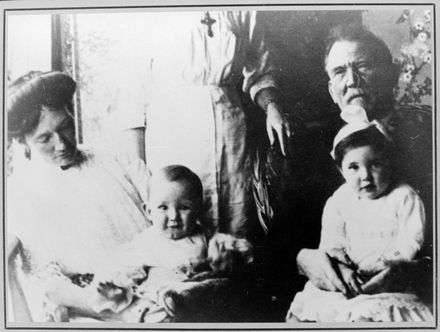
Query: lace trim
[{"x": 384, "y": 307}]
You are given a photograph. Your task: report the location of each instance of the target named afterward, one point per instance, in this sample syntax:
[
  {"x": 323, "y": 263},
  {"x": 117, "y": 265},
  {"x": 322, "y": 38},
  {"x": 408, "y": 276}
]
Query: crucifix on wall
[{"x": 209, "y": 22}]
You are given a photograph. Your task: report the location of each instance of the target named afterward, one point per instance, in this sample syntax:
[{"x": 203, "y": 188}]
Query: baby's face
[
  {"x": 173, "y": 208},
  {"x": 366, "y": 172}
]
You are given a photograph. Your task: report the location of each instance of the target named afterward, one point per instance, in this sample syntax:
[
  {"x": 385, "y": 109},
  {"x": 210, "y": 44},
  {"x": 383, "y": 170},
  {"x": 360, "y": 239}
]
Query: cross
[{"x": 209, "y": 22}]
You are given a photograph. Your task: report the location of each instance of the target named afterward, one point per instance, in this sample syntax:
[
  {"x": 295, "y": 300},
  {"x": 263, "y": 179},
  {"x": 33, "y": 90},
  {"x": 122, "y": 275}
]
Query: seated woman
[
  {"x": 80, "y": 206},
  {"x": 68, "y": 207}
]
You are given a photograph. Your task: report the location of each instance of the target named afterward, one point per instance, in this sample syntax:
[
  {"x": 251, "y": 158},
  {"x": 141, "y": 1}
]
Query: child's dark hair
[
  {"x": 177, "y": 173},
  {"x": 370, "y": 136}
]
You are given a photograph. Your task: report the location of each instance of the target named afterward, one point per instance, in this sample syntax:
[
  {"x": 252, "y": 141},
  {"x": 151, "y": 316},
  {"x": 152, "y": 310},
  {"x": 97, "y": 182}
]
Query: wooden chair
[{"x": 20, "y": 308}]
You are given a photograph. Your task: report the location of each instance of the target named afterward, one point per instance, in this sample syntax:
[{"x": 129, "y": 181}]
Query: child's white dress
[{"x": 371, "y": 232}]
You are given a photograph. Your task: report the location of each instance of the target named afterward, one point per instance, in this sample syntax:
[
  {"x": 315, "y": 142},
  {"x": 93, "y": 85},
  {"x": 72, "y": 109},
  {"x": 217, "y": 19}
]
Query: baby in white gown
[{"x": 131, "y": 286}]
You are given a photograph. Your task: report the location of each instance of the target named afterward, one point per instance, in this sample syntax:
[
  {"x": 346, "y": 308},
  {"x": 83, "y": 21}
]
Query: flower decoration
[
  {"x": 414, "y": 56},
  {"x": 409, "y": 68},
  {"x": 404, "y": 50},
  {"x": 406, "y": 77},
  {"x": 419, "y": 25},
  {"x": 422, "y": 36},
  {"x": 427, "y": 58},
  {"x": 427, "y": 15}
]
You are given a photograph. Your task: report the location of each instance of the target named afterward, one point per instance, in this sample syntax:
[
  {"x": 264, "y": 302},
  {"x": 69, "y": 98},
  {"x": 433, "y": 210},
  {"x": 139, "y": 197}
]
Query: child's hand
[
  {"x": 351, "y": 280},
  {"x": 227, "y": 253}
]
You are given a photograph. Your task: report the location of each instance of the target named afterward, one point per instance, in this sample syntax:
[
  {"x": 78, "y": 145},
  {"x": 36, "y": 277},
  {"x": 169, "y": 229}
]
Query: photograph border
[{"x": 21, "y": 6}]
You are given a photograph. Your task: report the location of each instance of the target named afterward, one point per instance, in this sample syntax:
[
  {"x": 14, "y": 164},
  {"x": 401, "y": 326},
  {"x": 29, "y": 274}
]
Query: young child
[
  {"x": 374, "y": 220},
  {"x": 167, "y": 255}
]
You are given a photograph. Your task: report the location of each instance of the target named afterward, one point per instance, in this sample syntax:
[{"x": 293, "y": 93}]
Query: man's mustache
[{"x": 352, "y": 94}]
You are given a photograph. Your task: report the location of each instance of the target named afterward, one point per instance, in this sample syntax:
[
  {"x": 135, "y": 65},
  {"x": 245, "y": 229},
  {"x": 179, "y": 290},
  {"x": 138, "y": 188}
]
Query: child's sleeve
[
  {"x": 411, "y": 215},
  {"x": 333, "y": 234}
]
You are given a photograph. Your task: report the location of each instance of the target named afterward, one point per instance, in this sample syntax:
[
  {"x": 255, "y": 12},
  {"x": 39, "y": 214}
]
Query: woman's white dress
[
  {"x": 189, "y": 100},
  {"x": 70, "y": 220}
]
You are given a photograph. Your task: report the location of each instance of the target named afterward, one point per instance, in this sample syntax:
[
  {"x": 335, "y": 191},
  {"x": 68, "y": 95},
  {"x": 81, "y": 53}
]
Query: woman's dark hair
[
  {"x": 370, "y": 136},
  {"x": 177, "y": 173},
  {"x": 27, "y": 95}
]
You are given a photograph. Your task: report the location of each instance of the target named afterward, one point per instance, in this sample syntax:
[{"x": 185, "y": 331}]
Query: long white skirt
[{"x": 316, "y": 305}]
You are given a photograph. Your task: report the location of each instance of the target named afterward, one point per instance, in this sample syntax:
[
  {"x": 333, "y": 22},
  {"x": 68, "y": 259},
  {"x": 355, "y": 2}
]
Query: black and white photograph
[{"x": 203, "y": 165}]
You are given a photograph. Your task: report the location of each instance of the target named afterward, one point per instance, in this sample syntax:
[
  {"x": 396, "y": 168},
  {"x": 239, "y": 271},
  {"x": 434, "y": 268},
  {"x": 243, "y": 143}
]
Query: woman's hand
[
  {"x": 317, "y": 265},
  {"x": 127, "y": 276},
  {"x": 277, "y": 122},
  {"x": 108, "y": 296},
  {"x": 123, "y": 276},
  {"x": 98, "y": 302}
]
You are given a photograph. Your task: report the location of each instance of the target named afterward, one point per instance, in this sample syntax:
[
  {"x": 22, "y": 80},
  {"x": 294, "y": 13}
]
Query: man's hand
[
  {"x": 277, "y": 122},
  {"x": 351, "y": 280},
  {"x": 341, "y": 256},
  {"x": 400, "y": 276},
  {"x": 347, "y": 270},
  {"x": 316, "y": 265}
]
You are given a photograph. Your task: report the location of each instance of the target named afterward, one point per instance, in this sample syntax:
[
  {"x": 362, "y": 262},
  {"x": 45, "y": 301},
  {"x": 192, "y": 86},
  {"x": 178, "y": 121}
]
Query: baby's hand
[
  {"x": 351, "y": 279},
  {"x": 227, "y": 253}
]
